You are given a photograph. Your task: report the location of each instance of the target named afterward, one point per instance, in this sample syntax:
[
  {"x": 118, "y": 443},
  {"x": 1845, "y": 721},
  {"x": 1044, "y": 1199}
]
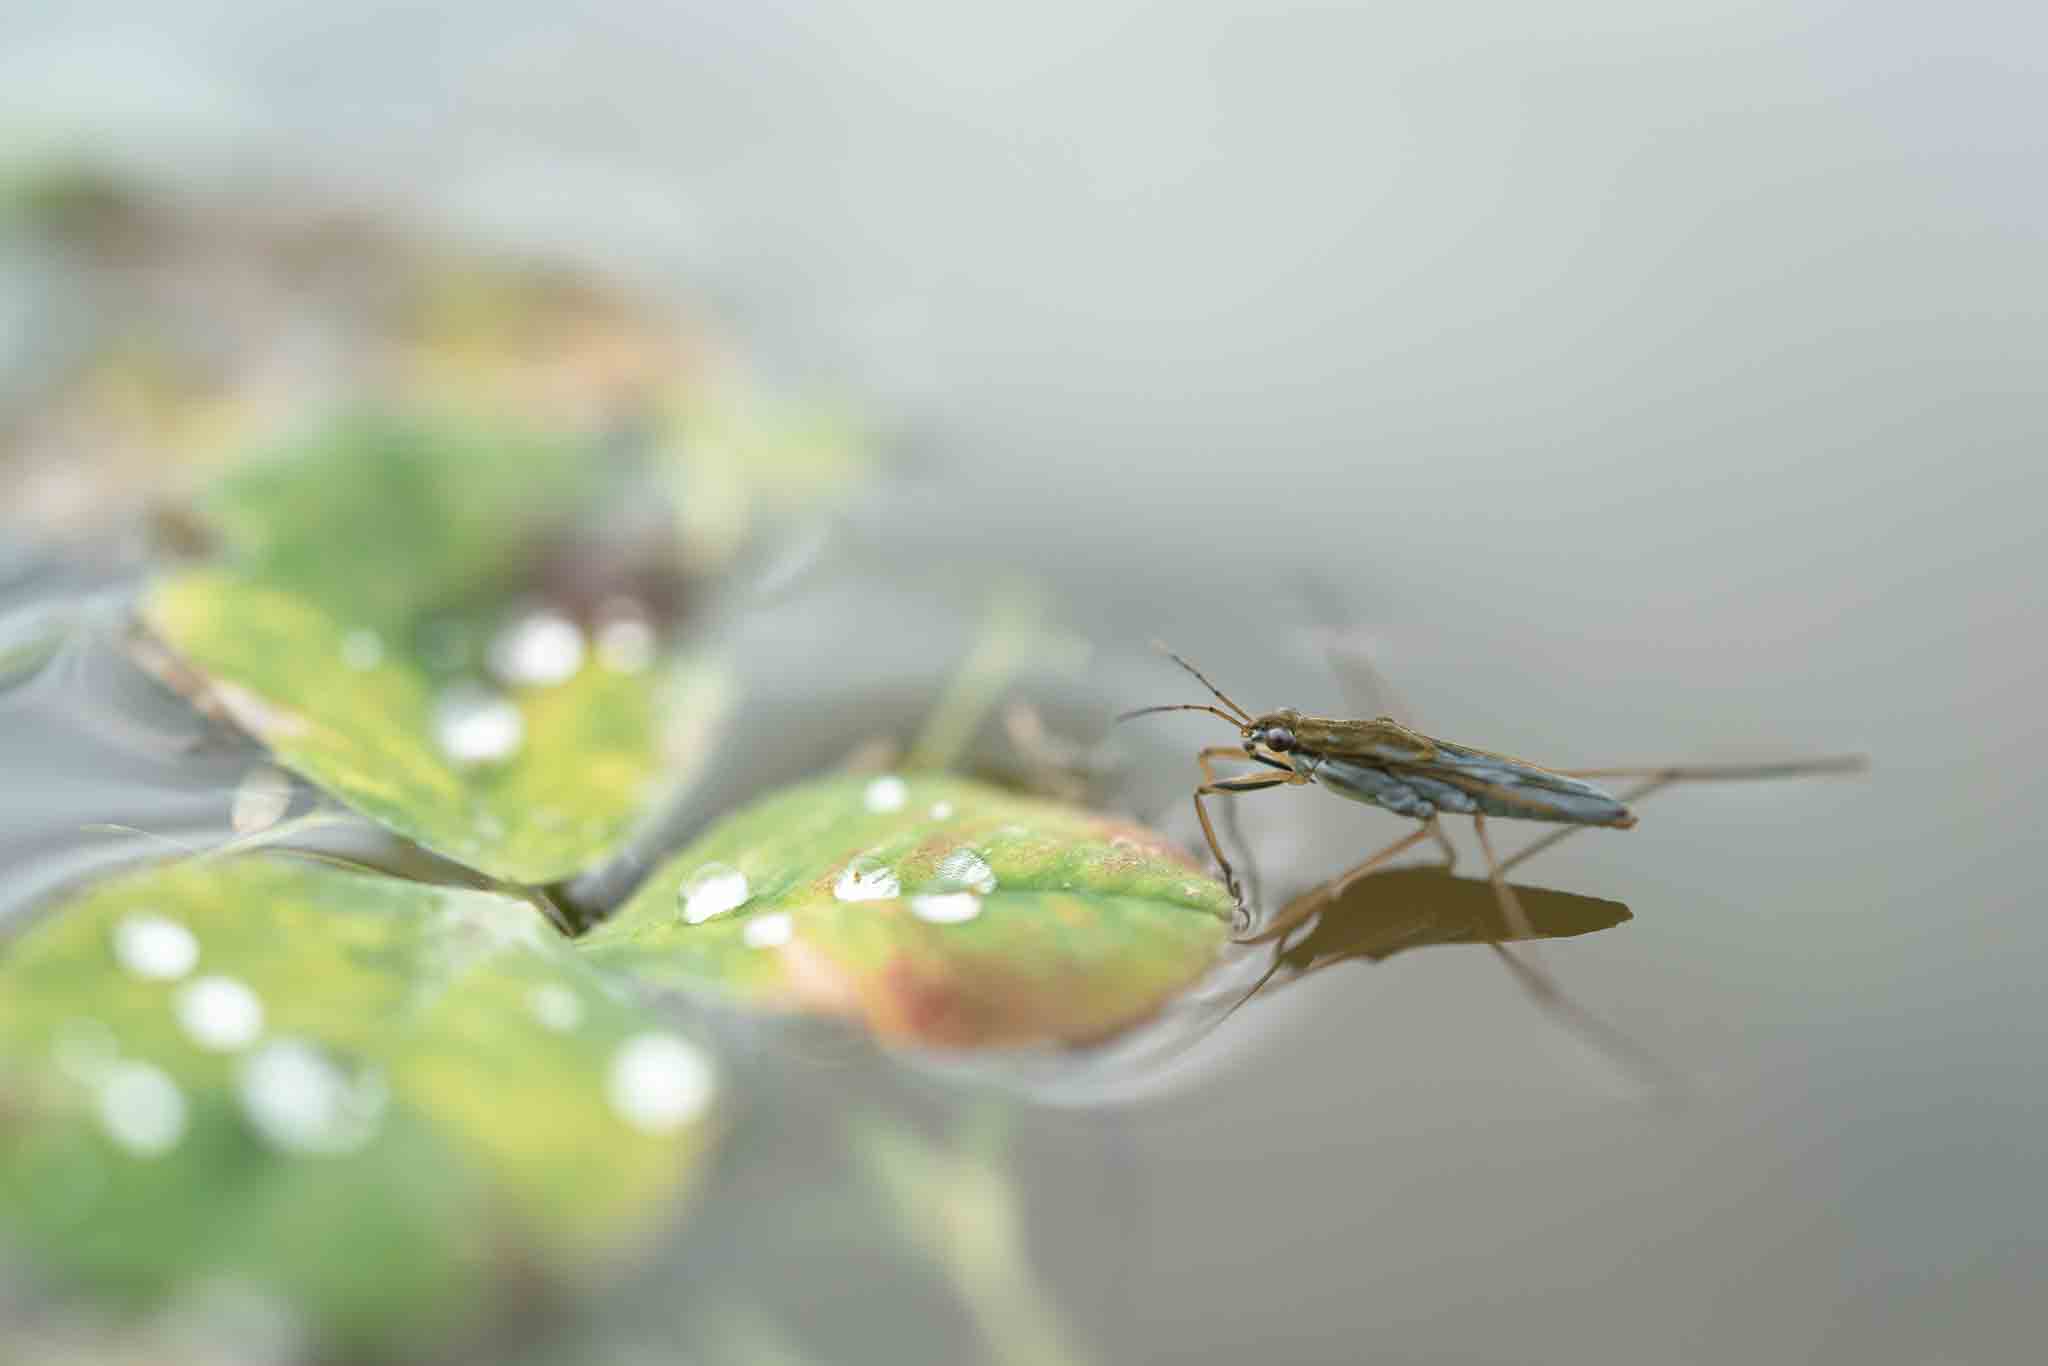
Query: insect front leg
[
  {"x": 1212, "y": 786},
  {"x": 1305, "y": 906}
]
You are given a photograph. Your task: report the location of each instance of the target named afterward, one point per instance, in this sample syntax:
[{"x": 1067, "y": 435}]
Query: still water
[{"x": 1646, "y": 392}]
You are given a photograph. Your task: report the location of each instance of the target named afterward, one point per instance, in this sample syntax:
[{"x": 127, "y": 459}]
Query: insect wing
[{"x": 1469, "y": 780}]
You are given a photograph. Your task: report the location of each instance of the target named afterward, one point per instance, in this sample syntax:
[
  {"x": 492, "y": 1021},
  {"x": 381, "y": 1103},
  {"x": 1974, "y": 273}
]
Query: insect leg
[
  {"x": 1510, "y": 905},
  {"x": 1626, "y": 1052},
  {"x": 1304, "y": 906},
  {"x": 1701, "y": 773},
  {"x": 1206, "y": 757},
  {"x": 1216, "y": 787},
  {"x": 1657, "y": 779},
  {"x": 1546, "y": 992}
]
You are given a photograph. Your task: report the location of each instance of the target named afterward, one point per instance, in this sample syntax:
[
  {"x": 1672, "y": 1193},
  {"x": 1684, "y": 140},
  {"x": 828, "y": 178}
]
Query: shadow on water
[{"x": 1412, "y": 908}]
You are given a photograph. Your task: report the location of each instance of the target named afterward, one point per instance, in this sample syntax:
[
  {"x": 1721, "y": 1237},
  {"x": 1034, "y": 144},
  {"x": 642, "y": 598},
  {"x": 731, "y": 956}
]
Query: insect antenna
[
  {"x": 1184, "y": 706},
  {"x": 1244, "y": 717}
]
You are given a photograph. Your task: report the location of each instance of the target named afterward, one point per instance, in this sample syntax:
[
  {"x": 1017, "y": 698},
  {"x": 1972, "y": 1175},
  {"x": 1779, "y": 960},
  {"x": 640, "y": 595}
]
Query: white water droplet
[
  {"x": 867, "y": 878},
  {"x": 219, "y": 1013},
  {"x": 967, "y": 868},
  {"x": 768, "y": 931},
  {"x": 303, "y": 1100},
  {"x": 625, "y": 646},
  {"x": 887, "y": 793},
  {"x": 555, "y": 1006},
  {"x": 713, "y": 890},
  {"x": 142, "y": 1109},
  {"x": 264, "y": 795},
  {"x": 154, "y": 947},
  {"x": 946, "y": 908},
  {"x": 362, "y": 650},
  {"x": 537, "y": 650},
  {"x": 477, "y": 726},
  {"x": 659, "y": 1083},
  {"x": 942, "y": 811}
]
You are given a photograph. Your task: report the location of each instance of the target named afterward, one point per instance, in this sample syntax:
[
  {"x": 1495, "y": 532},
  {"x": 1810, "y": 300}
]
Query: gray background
[{"x": 1661, "y": 381}]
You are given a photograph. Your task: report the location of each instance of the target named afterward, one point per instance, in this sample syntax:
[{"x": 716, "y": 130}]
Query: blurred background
[{"x": 1647, "y": 383}]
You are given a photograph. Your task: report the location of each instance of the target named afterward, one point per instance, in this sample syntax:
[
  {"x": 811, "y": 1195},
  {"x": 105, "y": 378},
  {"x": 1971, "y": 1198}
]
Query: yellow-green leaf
[
  {"x": 378, "y": 1104},
  {"x": 369, "y": 625},
  {"x": 936, "y": 909}
]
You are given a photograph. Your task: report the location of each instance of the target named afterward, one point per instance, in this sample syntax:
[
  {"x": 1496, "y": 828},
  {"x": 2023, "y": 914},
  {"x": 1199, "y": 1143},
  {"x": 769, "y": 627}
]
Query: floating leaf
[
  {"x": 936, "y": 909},
  {"x": 372, "y": 1102},
  {"x": 367, "y": 629}
]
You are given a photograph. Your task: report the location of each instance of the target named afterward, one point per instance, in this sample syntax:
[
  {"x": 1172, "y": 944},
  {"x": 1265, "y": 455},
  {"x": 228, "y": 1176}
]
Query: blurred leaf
[
  {"x": 937, "y": 910},
  {"x": 745, "y": 459},
  {"x": 374, "y": 1103},
  {"x": 370, "y": 575},
  {"x": 382, "y": 520},
  {"x": 961, "y": 1207}
]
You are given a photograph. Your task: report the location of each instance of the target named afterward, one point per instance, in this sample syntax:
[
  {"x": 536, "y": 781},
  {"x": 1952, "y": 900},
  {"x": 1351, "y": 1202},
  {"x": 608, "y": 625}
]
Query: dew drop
[
  {"x": 713, "y": 890},
  {"x": 887, "y": 793},
  {"x": 156, "y": 948},
  {"x": 264, "y": 795},
  {"x": 362, "y": 650},
  {"x": 659, "y": 1083},
  {"x": 867, "y": 878},
  {"x": 477, "y": 726},
  {"x": 768, "y": 931},
  {"x": 219, "y": 1013},
  {"x": 967, "y": 868},
  {"x": 555, "y": 1006},
  {"x": 625, "y": 646},
  {"x": 303, "y": 1100},
  {"x": 142, "y": 1109},
  {"x": 537, "y": 650},
  {"x": 946, "y": 908}
]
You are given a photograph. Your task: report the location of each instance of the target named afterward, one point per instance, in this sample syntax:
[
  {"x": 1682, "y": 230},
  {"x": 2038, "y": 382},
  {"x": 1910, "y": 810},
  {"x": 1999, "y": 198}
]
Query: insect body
[
  {"x": 1383, "y": 763},
  {"x": 1386, "y": 764}
]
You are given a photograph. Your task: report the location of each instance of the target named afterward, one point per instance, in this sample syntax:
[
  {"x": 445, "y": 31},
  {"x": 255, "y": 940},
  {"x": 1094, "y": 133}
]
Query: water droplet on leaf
[
  {"x": 303, "y": 1100},
  {"x": 476, "y": 726},
  {"x": 154, "y": 947},
  {"x": 887, "y": 793},
  {"x": 264, "y": 795},
  {"x": 867, "y": 878},
  {"x": 768, "y": 931},
  {"x": 946, "y": 908},
  {"x": 625, "y": 646},
  {"x": 555, "y": 1006},
  {"x": 142, "y": 1109},
  {"x": 967, "y": 868},
  {"x": 659, "y": 1083},
  {"x": 219, "y": 1013},
  {"x": 537, "y": 650},
  {"x": 713, "y": 890}
]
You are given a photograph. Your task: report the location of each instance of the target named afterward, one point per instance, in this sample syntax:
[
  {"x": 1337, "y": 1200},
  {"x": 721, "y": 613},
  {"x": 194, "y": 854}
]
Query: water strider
[{"x": 1383, "y": 763}]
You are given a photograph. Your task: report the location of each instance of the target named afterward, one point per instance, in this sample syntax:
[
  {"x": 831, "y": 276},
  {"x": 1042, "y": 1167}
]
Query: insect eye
[{"x": 1279, "y": 738}]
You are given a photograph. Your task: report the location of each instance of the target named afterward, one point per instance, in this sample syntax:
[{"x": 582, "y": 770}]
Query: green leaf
[
  {"x": 368, "y": 574},
  {"x": 375, "y": 1102},
  {"x": 935, "y": 909},
  {"x": 383, "y": 519}
]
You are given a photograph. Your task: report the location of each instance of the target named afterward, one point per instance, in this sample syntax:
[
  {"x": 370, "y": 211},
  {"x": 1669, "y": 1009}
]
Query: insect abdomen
[{"x": 1374, "y": 786}]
